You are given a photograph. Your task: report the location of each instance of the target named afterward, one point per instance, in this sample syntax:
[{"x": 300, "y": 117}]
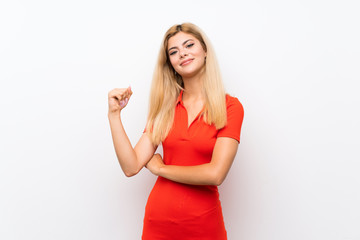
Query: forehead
[{"x": 179, "y": 39}]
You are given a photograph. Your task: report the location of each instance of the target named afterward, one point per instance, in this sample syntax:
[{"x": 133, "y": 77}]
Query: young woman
[{"x": 198, "y": 126}]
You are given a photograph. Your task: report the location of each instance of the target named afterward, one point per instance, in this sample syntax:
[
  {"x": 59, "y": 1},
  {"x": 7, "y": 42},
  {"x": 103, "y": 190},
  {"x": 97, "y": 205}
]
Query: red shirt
[{"x": 182, "y": 211}]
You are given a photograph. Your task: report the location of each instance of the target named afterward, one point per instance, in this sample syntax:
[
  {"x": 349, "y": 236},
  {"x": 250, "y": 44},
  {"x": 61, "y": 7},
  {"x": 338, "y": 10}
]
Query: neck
[{"x": 193, "y": 88}]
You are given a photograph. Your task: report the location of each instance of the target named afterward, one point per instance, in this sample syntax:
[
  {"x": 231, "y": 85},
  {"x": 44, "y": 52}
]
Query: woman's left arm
[{"x": 212, "y": 173}]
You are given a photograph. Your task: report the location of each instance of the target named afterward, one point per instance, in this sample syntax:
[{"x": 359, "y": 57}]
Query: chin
[{"x": 190, "y": 72}]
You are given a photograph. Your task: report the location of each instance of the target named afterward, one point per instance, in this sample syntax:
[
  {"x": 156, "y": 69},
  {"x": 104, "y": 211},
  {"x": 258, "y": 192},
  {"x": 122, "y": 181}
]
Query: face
[{"x": 186, "y": 54}]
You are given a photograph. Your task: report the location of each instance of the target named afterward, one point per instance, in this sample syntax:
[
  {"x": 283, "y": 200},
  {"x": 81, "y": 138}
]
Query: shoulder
[
  {"x": 234, "y": 119},
  {"x": 233, "y": 104}
]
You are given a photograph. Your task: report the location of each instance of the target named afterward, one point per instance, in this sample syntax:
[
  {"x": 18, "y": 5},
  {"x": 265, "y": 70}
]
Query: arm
[
  {"x": 212, "y": 173},
  {"x": 131, "y": 160}
]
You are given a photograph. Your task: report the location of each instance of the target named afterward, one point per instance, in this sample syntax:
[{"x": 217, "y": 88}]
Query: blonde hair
[{"x": 166, "y": 87}]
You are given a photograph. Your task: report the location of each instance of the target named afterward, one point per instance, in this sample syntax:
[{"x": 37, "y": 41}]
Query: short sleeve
[{"x": 235, "y": 116}]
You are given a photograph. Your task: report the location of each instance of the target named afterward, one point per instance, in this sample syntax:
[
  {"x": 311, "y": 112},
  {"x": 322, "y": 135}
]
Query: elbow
[
  {"x": 217, "y": 179},
  {"x": 130, "y": 170},
  {"x": 130, "y": 173}
]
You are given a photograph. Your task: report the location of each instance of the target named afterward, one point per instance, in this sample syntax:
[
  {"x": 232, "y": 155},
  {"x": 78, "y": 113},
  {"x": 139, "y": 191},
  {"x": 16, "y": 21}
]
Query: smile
[{"x": 186, "y": 62}]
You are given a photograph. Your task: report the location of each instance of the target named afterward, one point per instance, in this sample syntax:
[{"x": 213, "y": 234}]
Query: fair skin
[
  {"x": 131, "y": 160},
  {"x": 188, "y": 59}
]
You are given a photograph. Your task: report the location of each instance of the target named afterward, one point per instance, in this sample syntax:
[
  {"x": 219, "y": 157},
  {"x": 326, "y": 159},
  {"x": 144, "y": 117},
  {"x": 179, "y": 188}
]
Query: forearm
[
  {"x": 124, "y": 151},
  {"x": 205, "y": 174},
  {"x": 212, "y": 173}
]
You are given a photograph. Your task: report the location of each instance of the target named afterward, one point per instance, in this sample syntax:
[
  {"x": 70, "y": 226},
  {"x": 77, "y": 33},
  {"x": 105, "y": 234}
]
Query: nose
[{"x": 183, "y": 53}]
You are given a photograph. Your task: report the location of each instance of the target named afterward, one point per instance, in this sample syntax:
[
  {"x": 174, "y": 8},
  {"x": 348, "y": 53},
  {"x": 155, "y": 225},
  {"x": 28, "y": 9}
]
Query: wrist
[
  {"x": 161, "y": 170},
  {"x": 114, "y": 115},
  {"x": 161, "y": 167}
]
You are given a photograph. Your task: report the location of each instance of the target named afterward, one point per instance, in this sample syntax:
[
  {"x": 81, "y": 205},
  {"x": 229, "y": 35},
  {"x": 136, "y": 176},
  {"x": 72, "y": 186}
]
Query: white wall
[{"x": 293, "y": 65}]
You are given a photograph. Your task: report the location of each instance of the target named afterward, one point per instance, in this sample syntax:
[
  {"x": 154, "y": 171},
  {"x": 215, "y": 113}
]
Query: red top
[{"x": 182, "y": 211}]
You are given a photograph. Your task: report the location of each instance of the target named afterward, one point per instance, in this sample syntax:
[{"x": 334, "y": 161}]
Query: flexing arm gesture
[{"x": 131, "y": 160}]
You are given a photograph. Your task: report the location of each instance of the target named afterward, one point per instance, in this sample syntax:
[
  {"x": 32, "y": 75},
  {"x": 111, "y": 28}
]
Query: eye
[
  {"x": 172, "y": 53},
  {"x": 190, "y": 45}
]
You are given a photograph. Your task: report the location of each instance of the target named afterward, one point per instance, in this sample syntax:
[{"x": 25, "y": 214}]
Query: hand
[
  {"x": 155, "y": 164},
  {"x": 118, "y": 98}
]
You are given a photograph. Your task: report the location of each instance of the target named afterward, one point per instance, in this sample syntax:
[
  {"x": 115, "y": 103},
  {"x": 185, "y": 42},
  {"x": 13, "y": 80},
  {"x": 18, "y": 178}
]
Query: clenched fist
[{"x": 118, "y": 99}]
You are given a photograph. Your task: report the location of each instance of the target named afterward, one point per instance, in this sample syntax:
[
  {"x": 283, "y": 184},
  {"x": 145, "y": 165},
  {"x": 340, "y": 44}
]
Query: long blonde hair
[{"x": 166, "y": 87}]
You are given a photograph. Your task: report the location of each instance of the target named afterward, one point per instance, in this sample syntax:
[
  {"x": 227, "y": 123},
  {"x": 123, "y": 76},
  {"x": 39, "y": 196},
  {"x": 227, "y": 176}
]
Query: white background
[{"x": 294, "y": 65}]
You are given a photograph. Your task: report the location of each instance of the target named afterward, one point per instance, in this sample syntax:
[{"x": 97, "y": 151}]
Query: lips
[{"x": 186, "y": 62}]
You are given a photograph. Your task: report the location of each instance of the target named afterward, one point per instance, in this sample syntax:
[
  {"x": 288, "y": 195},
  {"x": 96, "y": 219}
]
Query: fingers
[
  {"x": 124, "y": 102},
  {"x": 124, "y": 97},
  {"x": 129, "y": 90},
  {"x": 119, "y": 98},
  {"x": 120, "y": 93}
]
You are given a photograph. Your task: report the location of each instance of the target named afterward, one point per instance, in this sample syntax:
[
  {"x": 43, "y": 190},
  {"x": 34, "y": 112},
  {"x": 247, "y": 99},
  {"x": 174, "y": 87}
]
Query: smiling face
[{"x": 186, "y": 54}]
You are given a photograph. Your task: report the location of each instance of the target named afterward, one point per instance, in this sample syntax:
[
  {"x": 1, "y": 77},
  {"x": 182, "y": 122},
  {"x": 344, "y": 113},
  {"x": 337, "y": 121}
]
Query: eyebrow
[{"x": 182, "y": 44}]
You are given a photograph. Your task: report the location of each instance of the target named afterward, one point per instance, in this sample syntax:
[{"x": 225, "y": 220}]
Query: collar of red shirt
[{"x": 179, "y": 100}]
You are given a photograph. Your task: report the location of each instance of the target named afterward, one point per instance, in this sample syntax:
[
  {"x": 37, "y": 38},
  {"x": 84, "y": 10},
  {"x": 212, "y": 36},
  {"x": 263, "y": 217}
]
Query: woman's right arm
[{"x": 131, "y": 160}]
